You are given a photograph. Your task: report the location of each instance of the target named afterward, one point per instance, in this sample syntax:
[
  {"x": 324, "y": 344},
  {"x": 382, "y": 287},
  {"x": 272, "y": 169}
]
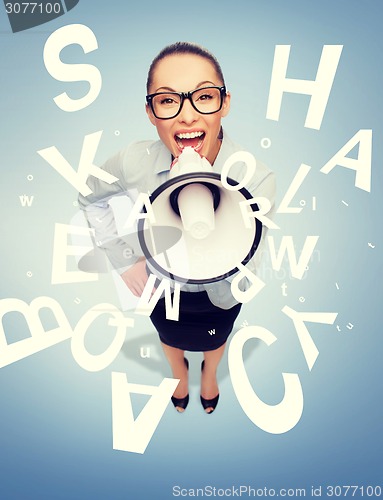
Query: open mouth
[{"x": 190, "y": 139}]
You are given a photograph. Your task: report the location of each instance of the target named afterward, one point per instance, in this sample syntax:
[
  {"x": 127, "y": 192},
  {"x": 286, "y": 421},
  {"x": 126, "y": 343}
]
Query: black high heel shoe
[
  {"x": 208, "y": 403},
  {"x": 181, "y": 402}
]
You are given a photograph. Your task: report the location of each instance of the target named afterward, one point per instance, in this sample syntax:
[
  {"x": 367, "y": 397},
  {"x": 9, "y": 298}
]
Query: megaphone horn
[{"x": 214, "y": 237}]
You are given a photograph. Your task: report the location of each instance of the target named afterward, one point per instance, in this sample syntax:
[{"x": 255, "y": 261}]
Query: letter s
[{"x": 67, "y": 35}]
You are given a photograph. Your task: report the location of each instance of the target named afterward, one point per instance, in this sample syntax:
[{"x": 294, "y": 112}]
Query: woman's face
[{"x": 183, "y": 73}]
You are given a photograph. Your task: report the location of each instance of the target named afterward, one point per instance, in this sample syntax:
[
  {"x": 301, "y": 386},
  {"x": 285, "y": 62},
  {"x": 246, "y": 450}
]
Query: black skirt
[{"x": 201, "y": 326}]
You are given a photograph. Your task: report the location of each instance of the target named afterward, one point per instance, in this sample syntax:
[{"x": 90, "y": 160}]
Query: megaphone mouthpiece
[
  {"x": 195, "y": 204},
  {"x": 189, "y": 161}
]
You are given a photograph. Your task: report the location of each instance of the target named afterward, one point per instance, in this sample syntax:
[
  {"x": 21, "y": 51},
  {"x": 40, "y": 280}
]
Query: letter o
[
  {"x": 250, "y": 163},
  {"x": 98, "y": 362}
]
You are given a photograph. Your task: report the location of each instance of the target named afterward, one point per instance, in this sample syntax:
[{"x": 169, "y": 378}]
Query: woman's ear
[
  {"x": 226, "y": 104},
  {"x": 149, "y": 112}
]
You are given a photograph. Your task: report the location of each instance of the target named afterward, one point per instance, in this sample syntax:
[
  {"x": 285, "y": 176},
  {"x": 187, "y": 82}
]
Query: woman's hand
[{"x": 136, "y": 277}]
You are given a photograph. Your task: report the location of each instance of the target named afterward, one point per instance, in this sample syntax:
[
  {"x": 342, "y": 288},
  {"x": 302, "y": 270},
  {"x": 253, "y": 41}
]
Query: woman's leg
[
  {"x": 209, "y": 386},
  {"x": 176, "y": 361}
]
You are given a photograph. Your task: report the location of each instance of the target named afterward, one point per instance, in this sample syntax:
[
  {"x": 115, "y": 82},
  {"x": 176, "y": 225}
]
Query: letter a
[
  {"x": 135, "y": 435},
  {"x": 142, "y": 201},
  {"x": 361, "y": 165}
]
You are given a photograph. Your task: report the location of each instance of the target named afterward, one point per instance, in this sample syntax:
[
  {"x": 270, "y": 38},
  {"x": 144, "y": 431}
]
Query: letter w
[
  {"x": 287, "y": 245},
  {"x": 26, "y": 200}
]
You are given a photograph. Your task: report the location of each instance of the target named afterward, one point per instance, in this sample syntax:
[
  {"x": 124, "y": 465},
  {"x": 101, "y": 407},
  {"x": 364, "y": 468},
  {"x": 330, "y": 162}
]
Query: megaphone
[{"x": 214, "y": 237}]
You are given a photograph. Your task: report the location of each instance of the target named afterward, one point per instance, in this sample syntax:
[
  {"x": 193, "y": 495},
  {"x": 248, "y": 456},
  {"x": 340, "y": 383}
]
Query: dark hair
[{"x": 184, "y": 48}]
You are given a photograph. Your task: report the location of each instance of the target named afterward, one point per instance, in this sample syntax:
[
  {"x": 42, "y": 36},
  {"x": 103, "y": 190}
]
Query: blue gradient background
[{"x": 56, "y": 439}]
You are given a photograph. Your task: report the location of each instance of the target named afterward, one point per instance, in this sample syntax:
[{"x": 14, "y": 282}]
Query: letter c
[{"x": 275, "y": 419}]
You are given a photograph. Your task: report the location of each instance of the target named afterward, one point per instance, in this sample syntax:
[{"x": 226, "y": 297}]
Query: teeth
[{"x": 189, "y": 135}]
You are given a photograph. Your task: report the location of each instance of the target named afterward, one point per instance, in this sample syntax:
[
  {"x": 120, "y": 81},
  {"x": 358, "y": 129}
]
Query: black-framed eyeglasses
[{"x": 206, "y": 100}]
